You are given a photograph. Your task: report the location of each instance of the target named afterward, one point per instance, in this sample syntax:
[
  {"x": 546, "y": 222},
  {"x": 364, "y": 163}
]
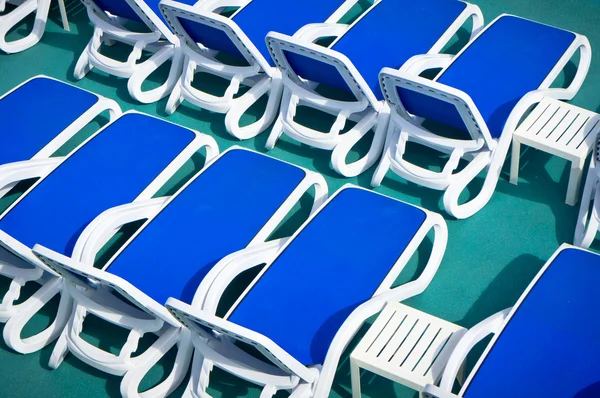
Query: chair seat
[
  {"x": 511, "y": 58},
  {"x": 219, "y": 213},
  {"x": 333, "y": 265},
  {"x": 551, "y": 345},
  {"x": 110, "y": 170},
  {"x": 35, "y": 113},
  {"x": 393, "y": 32}
]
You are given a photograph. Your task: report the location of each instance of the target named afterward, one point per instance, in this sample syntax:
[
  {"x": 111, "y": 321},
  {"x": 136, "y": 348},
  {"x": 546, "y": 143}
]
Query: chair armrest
[
  {"x": 220, "y": 276},
  {"x": 315, "y": 31},
  {"x": 491, "y": 325},
  {"x": 12, "y": 173},
  {"x": 107, "y": 224},
  {"x": 418, "y": 64},
  {"x": 432, "y": 391}
]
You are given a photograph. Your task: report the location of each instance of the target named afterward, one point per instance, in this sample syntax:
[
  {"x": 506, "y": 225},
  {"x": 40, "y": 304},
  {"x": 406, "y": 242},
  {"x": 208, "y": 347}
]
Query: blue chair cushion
[
  {"x": 36, "y": 113},
  {"x": 219, "y": 213},
  {"x": 112, "y": 169},
  {"x": 510, "y": 59},
  {"x": 122, "y": 9},
  {"x": 387, "y": 36},
  {"x": 550, "y": 347},
  {"x": 334, "y": 264},
  {"x": 260, "y": 17}
]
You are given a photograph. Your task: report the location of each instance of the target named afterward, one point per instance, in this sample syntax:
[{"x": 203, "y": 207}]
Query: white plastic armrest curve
[
  {"x": 104, "y": 226},
  {"x": 227, "y": 269},
  {"x": 431, "y": 391},
  {"x": 420, "y": 63},
  {"x": 12, "y": 173},
  {"x": 490, "y": 325},
  {"x": 315, "y": 31}
]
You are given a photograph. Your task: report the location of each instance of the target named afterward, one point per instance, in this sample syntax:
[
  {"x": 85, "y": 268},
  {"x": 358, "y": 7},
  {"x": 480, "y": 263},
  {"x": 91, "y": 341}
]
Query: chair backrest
[
  {"x": 219, "y": 212},
  {"x": 549, "y": 346},
  {"x": 56, "y": 106},
  {"x": 510, "y": 58},
  {"x": 387, "y": 36},
  {"x": 333, "y": 264},
  {"x": 243, "y": 36},
  {"x": 112, "y": 168}
]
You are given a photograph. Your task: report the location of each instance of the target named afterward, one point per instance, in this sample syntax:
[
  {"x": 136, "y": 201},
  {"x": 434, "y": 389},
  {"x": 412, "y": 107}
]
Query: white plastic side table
[
  {"x": 405, "y": 345},
  {"x": 561, "y": 129}
]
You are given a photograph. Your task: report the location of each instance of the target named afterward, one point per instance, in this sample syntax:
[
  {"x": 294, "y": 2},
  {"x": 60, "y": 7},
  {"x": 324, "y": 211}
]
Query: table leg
[
  {"x": 514, "y": 161},
  {"x": 63, "y": 15},
  {"x": 355, "y": 378},
  {"x": 574, "y": 181}
]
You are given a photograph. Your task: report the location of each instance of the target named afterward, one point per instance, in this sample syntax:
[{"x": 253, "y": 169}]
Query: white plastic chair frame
[
  {"x": 482, "y": 151},
  {"x": 588, "y": 220},
  {"x": 160, "y": 41},
  {"x": 18, "y": 262},
  {"x": 93, "y": 294},
  {"x": 103, "y": 104},
  {"x": 285, "y": 372},
  {"x": 367, "y": 111},
  {"x": 259, "y": 75},
  {"x": 495, "y": 324},
  {"x": 16, "y": 16}
]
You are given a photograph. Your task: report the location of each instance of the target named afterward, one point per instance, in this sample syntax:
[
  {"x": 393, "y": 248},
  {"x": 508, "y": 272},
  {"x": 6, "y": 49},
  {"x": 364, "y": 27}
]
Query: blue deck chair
[
  {"x": 61, "y": 111},
  {"x": 545, "y": 346},
  {"x": 482, "y": 94},
  {"x": 128, "y": 160},
  {"x": 137, "y": 23},
  {"x": 313, "y": 295},
  {"x": 425, "y": 28},
  {"x": 16, "y": 16},
  {"x": 207, "y": 37},
  {"x": 234, "y": 203}
]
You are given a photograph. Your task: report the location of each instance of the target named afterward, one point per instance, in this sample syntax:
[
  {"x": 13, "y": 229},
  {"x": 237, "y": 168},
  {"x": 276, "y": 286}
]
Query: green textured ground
[{"x": 490, "y": 259}]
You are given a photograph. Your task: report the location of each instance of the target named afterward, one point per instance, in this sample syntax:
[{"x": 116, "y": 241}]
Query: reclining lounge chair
[
  {"x": 129, "y": 160},
  {"x": 545, "y": 346},
  {"x": 206, "y": 37},
  {"x": 139, "y": 24},
  {"x": 313, "y": 295},
  {"x": 61, "y": 111},
  {"x": 483, "y": 93},
  {"x": 234, "y": 203},
  {"x": 389, "y": 35}
]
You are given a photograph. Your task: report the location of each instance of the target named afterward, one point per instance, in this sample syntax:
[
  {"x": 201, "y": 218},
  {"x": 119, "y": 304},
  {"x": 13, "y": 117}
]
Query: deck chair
[
  {"x": 426, "y": 27},
  {"x": 545, "y": 346},
  {"x": 482, "y": 94},
  {"x": 137, "y": 23},
  {"x": 16, "y": 16},
  {"x": 234, "y": 203},
  {"x": 207, "y": 38},
  {"x": 128, "y": 160},
  {"x": 588, "y": 220},
  {"x": 61, "y": 111},
  {"x": 313, "y": 295}
]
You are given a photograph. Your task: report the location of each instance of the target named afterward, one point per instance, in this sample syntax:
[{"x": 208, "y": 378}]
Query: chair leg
[{"x": 574, "y": 181}]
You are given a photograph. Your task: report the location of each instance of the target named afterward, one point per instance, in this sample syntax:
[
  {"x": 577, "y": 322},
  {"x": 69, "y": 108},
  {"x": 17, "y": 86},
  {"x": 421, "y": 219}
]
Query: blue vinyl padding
[
  {"x": 550, "y": 347},
  {"x": 260, "y": 17},
  {"x": 512, "y": 58},
  {"x": 387, "y": 36},
  {"x": 219, "y": 213},
  {"x": 112, "y": 169},
  {"x": 334, "y": 264},
  {"x": 36, "y": 113}
]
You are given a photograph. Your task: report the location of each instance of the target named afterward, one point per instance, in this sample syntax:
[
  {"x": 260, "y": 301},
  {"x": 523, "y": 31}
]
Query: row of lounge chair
[
  {"x": 371, "y": 67},
  {"x": 298, "y": 314}
]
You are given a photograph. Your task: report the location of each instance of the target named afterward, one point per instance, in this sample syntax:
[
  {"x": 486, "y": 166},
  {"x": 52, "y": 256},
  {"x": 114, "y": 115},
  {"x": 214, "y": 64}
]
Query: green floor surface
[{"x": 490, "y": 259}]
